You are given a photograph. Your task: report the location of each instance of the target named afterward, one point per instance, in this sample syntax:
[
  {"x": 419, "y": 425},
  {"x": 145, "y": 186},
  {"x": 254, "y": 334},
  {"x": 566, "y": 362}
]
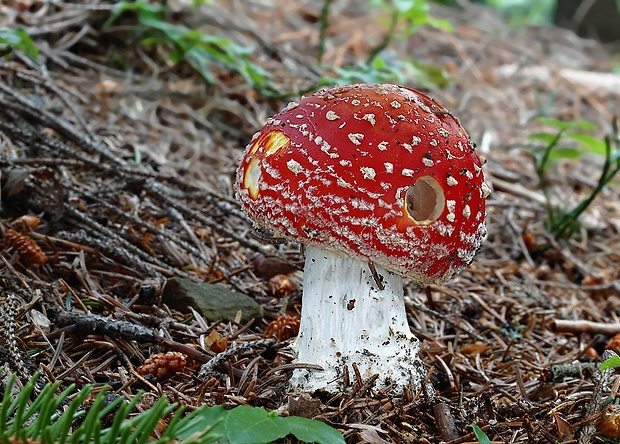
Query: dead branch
[{"x": 86, "y": 324}]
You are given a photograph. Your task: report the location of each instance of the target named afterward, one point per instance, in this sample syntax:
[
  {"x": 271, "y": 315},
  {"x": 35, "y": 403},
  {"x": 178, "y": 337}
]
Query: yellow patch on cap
[
  {"x": 251, "y": 177},
  {"x": 275, "y": 141}
]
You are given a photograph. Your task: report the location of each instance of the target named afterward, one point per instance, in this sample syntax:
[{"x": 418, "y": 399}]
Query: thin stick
[{"x": 579, "y": 326}]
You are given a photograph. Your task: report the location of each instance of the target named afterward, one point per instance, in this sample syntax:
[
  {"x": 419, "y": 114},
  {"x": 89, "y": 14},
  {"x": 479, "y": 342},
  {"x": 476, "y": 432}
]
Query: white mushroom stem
[{"x": 346, "y": 318}]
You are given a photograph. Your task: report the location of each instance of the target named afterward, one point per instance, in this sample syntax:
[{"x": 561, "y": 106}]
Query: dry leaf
[
  {"x": 476, "y": 348},
  {"x": 564, "y": 429},
  {"x": 216, "y": 342}
]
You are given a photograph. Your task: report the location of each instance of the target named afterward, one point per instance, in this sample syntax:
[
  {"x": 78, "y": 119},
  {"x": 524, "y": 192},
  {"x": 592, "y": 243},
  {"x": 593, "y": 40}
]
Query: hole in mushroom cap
[
  {"x": 251, "y": 177},
  {"x": 424, "y": 200}
]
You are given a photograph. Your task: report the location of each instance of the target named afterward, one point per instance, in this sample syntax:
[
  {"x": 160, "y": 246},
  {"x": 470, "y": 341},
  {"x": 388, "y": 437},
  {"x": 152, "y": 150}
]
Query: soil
[{"x": 117, "y": 175}]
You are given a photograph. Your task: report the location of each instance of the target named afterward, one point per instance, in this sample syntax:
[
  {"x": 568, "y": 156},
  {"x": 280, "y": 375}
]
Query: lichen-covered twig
[
  {"x": 220, "y": 358},
  {"x": 9, "y": 308}
]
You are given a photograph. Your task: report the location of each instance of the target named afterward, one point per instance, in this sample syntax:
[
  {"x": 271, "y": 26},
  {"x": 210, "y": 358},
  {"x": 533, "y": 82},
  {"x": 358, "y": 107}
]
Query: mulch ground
[{"x": 117, "y": 170}]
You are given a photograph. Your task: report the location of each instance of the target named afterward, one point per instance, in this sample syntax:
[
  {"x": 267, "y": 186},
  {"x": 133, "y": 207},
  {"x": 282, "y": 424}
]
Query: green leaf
[
  {"x": 440, "y": 24},
  {"x": 482, "y": 437},
  {"x": 309, "y": 430},
  {"x": 590, "y": 143},
  {"x": 615, "y": 156},
  {"x": 609, "y": 363},
  {"x": 254, "y": 425},
  {"x": 558, "y": 152},
  {"x": 426, "y": 75},
  {"x": 205, "y": 419},
  {"x": 384, "y": 70},
  {"x": 249, "y": 425},
  {"x": 543, "y": 137},
  {"x": 360, "y": 73},
  {"x": 404, "y": 6},
  {"x": 416, "y": 12},
  {"x": 139, "y": 7},
  {"x": 19, "y": 39},
  {"x": 563, "y": 126},
  {"x": 201, "y": 51},
  {"x": 565, "y": 152}
]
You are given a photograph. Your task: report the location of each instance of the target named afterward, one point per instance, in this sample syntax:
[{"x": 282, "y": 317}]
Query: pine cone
[
  {"x": 27, "y": 248},
  {"x": 283, "y": 328},
  {"x": 163, "y": 365}
]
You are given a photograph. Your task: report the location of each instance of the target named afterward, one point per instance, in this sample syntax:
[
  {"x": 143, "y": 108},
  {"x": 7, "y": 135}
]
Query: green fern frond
[
  {"x": 50, "y": 417},
  {"x": 43, "y": 415}
]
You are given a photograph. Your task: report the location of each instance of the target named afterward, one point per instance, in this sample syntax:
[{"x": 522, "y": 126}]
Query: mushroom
[{"x": 378, "y": 182}]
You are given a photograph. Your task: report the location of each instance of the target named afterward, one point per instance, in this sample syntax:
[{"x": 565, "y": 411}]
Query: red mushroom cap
[{"x": 379, "y": 172}]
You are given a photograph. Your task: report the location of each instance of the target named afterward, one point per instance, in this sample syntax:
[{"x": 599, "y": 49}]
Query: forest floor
[{"x": 117, "y": 171}]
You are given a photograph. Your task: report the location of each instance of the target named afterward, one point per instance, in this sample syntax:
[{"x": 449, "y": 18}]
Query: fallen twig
[
  {"x": 557, "y": 373},
  {"x": 94, "y": 324},
  {"x": 222, "y": 357},
  {"x": 579, "y": 326}
]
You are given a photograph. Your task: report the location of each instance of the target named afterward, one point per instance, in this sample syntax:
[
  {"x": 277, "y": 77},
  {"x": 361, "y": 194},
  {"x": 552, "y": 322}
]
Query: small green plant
[
  {"x": 19, "y": 39},
  {"x": 385, "y": 70},
  {"x": 380, "y": 66},
  {"x": 204, "y": 51},
  {"x": 563, "y": 223},
  {"x": 480, "y": 435},
  {"x": 201, "y": 51},
  {"x": 76, "y": 416},
  {"x": 255, "y": 425},
  {"x": 413, "y": 13},
  {"x": 525, "y": 12}
]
